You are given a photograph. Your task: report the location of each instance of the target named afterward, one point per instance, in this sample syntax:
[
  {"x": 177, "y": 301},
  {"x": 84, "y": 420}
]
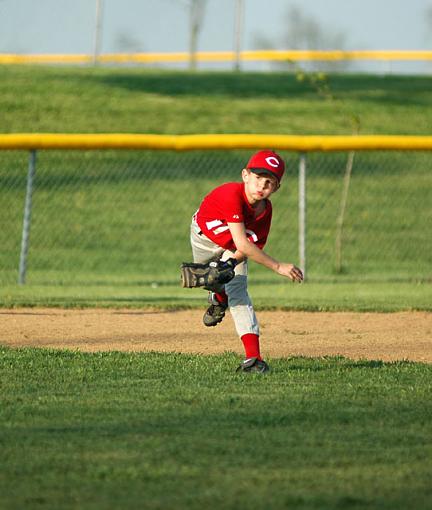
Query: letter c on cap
[{"x": 272, "y": 161}]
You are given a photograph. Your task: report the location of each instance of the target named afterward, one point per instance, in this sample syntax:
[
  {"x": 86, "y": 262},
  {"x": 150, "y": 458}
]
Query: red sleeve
[{"x": 265, "y": 228}]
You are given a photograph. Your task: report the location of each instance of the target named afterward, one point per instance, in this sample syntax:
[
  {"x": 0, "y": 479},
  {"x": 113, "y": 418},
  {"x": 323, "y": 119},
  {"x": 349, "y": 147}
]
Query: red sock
[
  {"x": 251, "y": 345},
  {"x": 221, "y": 297}
]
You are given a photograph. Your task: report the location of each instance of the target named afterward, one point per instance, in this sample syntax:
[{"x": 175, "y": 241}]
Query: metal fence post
[
  {"x": 98, "y": 32},
  {"x": 302, "y": 213},
  {"x": 238, "y": 32},
  {"x": 27, "y": 218}
]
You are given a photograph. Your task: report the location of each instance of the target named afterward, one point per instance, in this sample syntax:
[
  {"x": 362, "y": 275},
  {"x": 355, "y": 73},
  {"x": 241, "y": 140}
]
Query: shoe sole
[
  {"x": 241, "y": 371},
  {"x": 215, "y": 323}
]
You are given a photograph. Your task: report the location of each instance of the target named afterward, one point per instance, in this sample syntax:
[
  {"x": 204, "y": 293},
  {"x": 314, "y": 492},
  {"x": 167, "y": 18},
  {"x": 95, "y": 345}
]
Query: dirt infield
[{"x": 390, "y": 336}]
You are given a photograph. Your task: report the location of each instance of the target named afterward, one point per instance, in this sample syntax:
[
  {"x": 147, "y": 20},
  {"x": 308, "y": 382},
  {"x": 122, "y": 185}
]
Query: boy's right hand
[{"x": 289, "y": 270}]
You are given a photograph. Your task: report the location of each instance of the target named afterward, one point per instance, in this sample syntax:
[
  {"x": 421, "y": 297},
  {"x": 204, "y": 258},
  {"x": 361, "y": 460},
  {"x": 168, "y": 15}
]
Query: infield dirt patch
[{"x": 389, "y": 336}]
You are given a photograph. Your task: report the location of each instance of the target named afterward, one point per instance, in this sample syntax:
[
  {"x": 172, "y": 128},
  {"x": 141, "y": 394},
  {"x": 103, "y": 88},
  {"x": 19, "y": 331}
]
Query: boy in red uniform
[{"x": 233, "y": 222}]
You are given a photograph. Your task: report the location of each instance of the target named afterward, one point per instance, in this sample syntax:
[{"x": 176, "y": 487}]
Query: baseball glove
[{"x": 212, "y": 276}]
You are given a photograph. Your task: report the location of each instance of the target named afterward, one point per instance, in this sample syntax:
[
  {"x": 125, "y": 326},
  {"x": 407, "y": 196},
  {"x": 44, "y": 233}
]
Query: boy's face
[{"x": 258, "y": 186}]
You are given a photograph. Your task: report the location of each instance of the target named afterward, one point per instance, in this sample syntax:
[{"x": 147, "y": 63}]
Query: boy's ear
[{"x": 245, "y": 173}]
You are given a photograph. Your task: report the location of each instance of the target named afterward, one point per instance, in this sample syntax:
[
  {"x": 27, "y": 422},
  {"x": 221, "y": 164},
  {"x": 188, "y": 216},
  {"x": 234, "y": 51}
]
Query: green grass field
[
  {"x": 175, "y": 431},
  {"x": 336, "y": 295},
  {"x": 154, "y": 431},
  {"x": 83, "y": 99},
  {"x": 120, "y": 219}
]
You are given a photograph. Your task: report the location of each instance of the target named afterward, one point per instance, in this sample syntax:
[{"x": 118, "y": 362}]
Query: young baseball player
[{"x": 231, "y": 226}]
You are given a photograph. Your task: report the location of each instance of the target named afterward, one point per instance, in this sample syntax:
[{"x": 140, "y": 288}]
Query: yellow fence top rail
[
  {"x": 33, "y": 141},
  {"x": 218, "y": 56}
]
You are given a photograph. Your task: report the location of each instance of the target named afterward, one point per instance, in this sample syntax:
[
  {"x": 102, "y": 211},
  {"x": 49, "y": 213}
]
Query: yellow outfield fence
[
  {"x": 313, "y": 143},
  {"x": 103, "y": 208},
  {"x": 219, "y": 56}
]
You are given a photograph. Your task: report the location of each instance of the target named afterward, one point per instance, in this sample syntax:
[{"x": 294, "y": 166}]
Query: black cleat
[
  {"x": 253, "y": 365},
  {"x": 215, "y": 312}
]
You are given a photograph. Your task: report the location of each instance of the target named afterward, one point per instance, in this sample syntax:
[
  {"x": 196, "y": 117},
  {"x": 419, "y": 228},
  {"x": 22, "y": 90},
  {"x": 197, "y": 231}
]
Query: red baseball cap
[{"x": 267, "y": 162}]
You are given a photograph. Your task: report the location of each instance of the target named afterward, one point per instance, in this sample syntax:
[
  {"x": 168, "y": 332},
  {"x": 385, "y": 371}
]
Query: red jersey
[{"x": 228, "y": 204}]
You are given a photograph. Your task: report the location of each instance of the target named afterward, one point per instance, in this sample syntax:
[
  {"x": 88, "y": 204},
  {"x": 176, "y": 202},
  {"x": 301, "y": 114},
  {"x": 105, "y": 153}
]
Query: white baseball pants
[{"x": 240, "y": 305}]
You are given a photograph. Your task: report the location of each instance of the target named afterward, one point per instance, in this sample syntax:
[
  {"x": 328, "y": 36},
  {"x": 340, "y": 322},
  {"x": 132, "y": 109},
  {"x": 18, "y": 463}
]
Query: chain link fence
[{"x": 107, "y": 216}]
